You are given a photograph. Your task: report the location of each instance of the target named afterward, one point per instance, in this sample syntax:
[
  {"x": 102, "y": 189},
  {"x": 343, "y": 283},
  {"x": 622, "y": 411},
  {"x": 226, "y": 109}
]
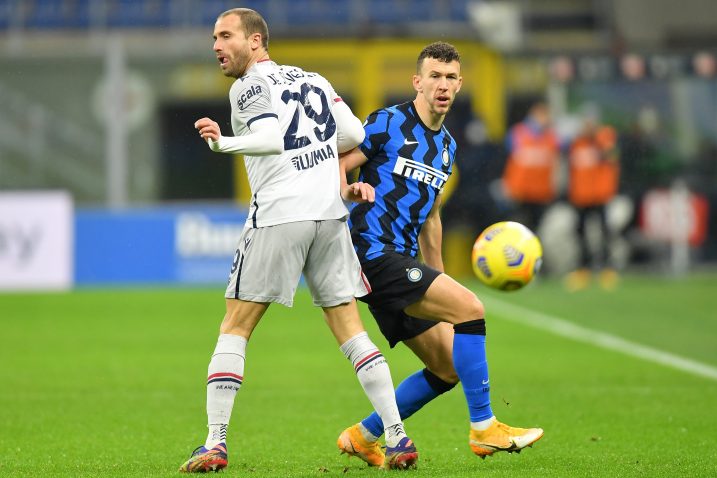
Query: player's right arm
[
  {"x": 431, "y": 237},
  {"x": 251, "y": 106},
  {"x": 265, "y": 138}
]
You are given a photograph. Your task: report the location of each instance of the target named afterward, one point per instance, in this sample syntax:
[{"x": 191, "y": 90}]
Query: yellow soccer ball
[{"x": 506, "y": 256}]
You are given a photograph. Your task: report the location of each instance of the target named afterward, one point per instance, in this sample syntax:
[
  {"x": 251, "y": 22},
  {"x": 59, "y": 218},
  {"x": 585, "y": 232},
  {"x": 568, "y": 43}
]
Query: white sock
[
  {"x": 225, "y": 376},
  {"x": 217, "y": 434},
  {"x": 375, "y": 377},
  {"x": 368, "y": 436},
  {"x": 483, "y": 424}
]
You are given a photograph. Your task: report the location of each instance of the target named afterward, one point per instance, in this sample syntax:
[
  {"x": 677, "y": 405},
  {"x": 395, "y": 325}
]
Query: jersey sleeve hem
[
  {"x": 261, "y": 116},
  {"x": 366, "y": 150}
]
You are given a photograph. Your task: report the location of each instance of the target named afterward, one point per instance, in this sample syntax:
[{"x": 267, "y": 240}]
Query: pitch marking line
[{"x": 576, "y": 332}]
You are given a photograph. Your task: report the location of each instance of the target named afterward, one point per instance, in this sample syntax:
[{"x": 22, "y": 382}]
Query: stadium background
[
  {"x": 107, "y": 194},
  {"x": 98, "y": 99}
]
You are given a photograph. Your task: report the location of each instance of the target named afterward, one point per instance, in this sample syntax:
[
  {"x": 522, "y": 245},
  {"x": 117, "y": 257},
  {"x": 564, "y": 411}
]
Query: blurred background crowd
[{"x": 594, "y": 122}]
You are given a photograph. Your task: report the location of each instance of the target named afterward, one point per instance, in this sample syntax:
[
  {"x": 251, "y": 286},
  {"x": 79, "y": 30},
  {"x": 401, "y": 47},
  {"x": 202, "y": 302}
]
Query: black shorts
[{"x": 397, "y": 281}]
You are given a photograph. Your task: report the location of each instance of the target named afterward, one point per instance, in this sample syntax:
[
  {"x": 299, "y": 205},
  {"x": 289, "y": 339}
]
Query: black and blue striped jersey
[{"x": 408, "y": 165}]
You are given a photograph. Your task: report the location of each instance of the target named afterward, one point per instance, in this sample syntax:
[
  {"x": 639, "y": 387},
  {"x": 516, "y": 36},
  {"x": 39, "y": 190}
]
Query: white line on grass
[{"x": 573, "y": 331}]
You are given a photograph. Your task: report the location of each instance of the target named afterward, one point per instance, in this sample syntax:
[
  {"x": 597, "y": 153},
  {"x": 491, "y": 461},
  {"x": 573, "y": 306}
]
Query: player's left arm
[
  {"x": 348, "y": 127},
  {"x": 431, "y": 237}
]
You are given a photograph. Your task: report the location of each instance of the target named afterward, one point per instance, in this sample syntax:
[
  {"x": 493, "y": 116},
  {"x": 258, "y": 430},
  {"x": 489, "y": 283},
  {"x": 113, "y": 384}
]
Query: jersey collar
[{"x": 414, "y": 112}]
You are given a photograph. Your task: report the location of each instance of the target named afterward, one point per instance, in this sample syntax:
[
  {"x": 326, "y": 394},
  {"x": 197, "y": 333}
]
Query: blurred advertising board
[
  {"x": 36, "y": 233},
  {"x": 156, "y": 245},
  {"x": 675, "y": 215}
]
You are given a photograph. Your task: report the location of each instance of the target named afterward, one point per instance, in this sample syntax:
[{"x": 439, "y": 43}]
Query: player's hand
[
  {"x": 208, "y": 129},
  {"x": 359, "y": 192}
]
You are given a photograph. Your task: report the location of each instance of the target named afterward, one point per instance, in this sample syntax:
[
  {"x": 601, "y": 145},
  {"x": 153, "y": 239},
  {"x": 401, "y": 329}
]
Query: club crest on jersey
[
  {"x": 415, "y": 274},
  {"x": 445, "y": 159},
  {"x": 424, "y": 173},
  {"x": 247, "y": 95}
]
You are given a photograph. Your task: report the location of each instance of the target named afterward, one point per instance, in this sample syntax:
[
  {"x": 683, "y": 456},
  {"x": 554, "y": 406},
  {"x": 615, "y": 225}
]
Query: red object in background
[{"x": 665, "y": 217}]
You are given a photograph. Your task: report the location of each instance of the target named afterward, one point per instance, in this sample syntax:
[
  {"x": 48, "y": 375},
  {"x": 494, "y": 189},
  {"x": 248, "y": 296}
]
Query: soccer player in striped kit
[
  {"x": 291, "y": 126},
  {"x": 407, "y": 156}
]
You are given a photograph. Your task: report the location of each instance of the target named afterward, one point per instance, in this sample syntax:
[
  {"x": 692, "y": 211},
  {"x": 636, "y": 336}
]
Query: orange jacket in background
[
  {"x": 594, "y": 168},
  {"x": 529, "y": 174}
]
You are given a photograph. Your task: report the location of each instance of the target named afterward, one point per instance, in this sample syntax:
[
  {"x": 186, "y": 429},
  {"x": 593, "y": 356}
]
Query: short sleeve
[
  {"x": 251, "y": 100},
  {"x": 376, "y": 128}
]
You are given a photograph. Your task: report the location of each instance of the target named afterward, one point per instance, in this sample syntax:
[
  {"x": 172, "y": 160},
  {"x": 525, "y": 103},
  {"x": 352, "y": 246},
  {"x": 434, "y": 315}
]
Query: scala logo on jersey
[
  {"x": 248, "y": 95},
  {"x": 424, "y": 173}
]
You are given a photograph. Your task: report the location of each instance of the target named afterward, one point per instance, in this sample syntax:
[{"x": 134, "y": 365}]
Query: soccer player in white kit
[{"x": 291, "y": 126}]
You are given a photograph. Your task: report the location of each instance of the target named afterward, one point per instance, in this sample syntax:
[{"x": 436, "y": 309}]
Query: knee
[
  {"x": 448, "y": 375},
  {"x": 439, "y": 362},
  {"x": 439, "y": 371},
  {"x": 472, "y": 309},
  {"x": 478, "y": 311},
  {"x": 441, "y": 379}
]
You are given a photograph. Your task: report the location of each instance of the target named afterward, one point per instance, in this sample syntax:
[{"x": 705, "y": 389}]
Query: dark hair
[
  {"x": 440, "y": 51},
  {"x": 251, "y": 22}
]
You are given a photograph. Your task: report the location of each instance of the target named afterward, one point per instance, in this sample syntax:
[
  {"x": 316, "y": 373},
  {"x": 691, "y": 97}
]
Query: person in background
[
  {"x": 529, "y": 178},
  {"x": 593, "y": 177}
]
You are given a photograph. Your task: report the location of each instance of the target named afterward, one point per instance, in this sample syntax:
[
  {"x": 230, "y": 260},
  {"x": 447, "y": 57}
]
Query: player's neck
[
  {"x": 258, "y": 58},
  {"x": 432, "y": 120}
]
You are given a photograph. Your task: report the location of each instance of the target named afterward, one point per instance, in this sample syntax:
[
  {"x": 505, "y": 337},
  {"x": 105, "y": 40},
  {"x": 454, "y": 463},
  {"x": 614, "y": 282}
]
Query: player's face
[
  {"x": 438, "y": 83},
  {"x": 231, "y": 45}
]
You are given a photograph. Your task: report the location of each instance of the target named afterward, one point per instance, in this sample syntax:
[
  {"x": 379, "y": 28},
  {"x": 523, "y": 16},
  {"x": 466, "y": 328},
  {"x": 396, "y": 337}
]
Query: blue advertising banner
[{"x": 164, "y": 245}]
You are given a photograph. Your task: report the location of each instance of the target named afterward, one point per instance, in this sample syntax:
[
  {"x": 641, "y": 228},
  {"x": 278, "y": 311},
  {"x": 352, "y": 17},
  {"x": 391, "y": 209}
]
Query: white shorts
[{"x": 269, "y": 261}]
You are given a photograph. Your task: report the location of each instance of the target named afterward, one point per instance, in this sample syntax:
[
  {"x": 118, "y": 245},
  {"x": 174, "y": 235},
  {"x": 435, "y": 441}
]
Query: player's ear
[
  {"x": 417, "y": 83},
  {"x": 255, "y": 41},
  {"x": 460, "y": 83}
]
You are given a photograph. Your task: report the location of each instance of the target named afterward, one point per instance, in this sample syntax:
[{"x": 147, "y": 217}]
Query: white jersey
[{"x": 302, "y": 183}]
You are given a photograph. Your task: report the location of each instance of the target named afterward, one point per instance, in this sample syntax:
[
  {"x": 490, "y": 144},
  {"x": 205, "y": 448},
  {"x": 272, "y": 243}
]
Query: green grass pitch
[{"x": 112, "y": 383}]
